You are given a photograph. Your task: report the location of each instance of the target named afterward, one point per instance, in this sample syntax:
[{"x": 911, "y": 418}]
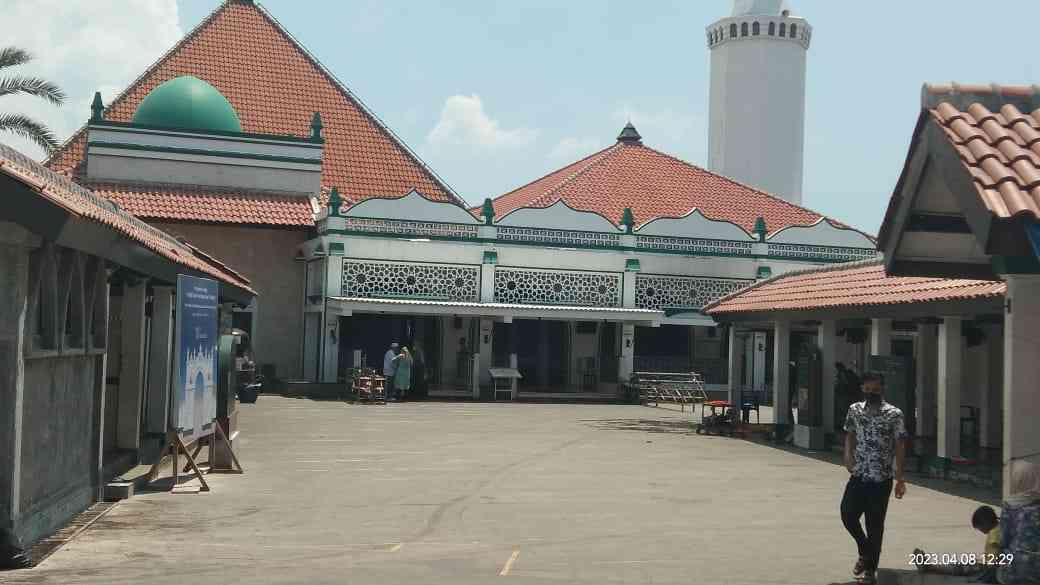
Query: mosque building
[{"x": 240, "y": 140}]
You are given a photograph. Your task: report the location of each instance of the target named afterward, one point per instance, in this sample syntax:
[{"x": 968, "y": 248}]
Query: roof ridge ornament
[
  {"x": 97, "y": 108},
  {"x": 760, "y": 229},
  {"x": 629, "y": 135},
  {"x": 316, "y": 127},
  {"x": 335, "y": 202},
  {"x": 488, "y": 211},
  {"x": 628, "y": 220}
]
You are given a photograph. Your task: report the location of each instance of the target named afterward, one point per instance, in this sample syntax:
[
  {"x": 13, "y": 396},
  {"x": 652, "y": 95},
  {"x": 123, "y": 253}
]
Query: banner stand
[
  {"x": 176, "y": 446},
  {"x": 211, "y": 441}
]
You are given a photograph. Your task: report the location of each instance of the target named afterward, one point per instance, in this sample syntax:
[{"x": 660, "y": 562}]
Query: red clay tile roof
[
  {"x": 79, "y": 201},
  {"x": 996, "y": 132},
  {"x": 207, "y": 204},
  {"x": 276, "y": 86},
  {"x": 854, "y": 284},
  {"x": 654, "y": 185}
]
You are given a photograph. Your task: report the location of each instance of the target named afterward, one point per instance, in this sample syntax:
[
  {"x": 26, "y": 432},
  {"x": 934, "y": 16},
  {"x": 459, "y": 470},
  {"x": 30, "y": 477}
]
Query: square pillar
[
  {"x": 758, "y": 360},
  {"x": 159, "y": 359},
  {"x": 330, "y": 363},
  {"x": 1021, "y": 370},
  {"x": 131, "y": 372},
  {"x": 736, "y": 360},
  {"x": 14, "y": 303},
  {"x": 628, "y": 283},
  {"x": 628, "y": 352},
  {"x": 826, "y": 341},
  {"x": 880, "y": 337},
  {"x": 781, "y": 371},
  {"x": 951, "y": 353},
  {"x": 926, "y": 354},
  {"x": 487, "y": 276},
  {"x": 484, "y": 346},
  {"x": 992, "y": 389}
]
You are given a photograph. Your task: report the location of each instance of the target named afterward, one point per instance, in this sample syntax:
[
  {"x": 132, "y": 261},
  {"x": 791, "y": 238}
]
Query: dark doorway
[
  {"x": 373, "y": 334},
  {"x": 608, "y": 352},
  {"x": 542, "y": 353}
]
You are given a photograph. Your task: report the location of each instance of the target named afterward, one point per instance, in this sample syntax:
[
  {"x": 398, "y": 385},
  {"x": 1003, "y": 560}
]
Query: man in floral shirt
[{"x": 875, "y": 435}]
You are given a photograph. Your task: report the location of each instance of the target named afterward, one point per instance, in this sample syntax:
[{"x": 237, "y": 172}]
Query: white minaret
[{"x": 756, "y": 133}]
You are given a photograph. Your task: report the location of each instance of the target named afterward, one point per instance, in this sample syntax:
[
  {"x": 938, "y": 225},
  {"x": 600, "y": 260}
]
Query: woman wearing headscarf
[
  {"x": 1020, "y": 525},
  {"x": 403, "y": 374}
]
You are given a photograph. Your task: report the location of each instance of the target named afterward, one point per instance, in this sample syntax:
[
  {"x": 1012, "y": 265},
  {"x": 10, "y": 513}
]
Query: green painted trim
[
  {"x": 490, "y": 257},
  {"x": 337, "y": 248},
  {"x": 763, "y": 272},
  {"x": 174, "y": 131},
  {"x": 632, "y": 265},
  {"x": 198, "y": 151},
  {"x": 628, "y": 249},
  {"x": 515, "y": 227},
  {"x": 747, "y": 280},
  {"x": 345, "y": 216},
  {"x": 615, "y": 272},
  {"x": 370, "y": 260}
]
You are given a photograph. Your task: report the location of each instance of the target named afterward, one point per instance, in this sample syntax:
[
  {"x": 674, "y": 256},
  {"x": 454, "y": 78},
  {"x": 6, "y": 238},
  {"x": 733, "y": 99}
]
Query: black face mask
[{"x": 873, "y": 399}]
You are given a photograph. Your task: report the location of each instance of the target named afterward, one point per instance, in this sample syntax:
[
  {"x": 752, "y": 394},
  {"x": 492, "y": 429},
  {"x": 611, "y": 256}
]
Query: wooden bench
[{"x": 680, "y": 388}]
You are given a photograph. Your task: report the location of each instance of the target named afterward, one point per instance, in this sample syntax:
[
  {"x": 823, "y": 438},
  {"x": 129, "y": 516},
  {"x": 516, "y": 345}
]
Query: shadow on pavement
[{"x": 646, "y": 425}]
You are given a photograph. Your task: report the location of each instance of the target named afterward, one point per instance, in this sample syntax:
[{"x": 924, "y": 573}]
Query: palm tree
[{"x": 20, "y": 124}]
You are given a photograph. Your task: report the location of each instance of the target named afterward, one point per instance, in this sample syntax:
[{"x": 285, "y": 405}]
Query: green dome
[{"x": 189, "y": 103}]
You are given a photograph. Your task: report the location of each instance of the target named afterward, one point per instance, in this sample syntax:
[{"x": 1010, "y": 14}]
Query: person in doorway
[
  {"x": 419, "y": 370},
  {"x": 389, "y": 368},
  {"x": 875, "y": 435},
  {"x": 1020, "y": 525},
  {"x": 402, "y": 373}
]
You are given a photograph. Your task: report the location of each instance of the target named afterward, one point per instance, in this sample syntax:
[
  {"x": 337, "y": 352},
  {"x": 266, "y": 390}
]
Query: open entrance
[
  {"x": 543, "y": 353},
  {"x": 365, "y": 338}
]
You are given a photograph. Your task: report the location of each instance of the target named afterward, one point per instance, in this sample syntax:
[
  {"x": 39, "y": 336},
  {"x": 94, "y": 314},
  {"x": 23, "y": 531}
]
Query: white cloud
[
  {"x": 83, "y": 46},
  {"x": 465, "y": 126},
  {"x": 570, "y": 149}
]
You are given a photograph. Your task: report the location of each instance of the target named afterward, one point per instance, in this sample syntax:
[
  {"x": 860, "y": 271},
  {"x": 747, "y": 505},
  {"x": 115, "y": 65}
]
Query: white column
[
  {"x": 15, "y": 297},
  {"x": 628, "y": 289},
  {"x": 736, "y": 359},
  {"x": 487, "y": 282},
  {"x": 781, "y": 371},
  {"x": 485, "y": 348},
  {"x": 880, "y": 337},
  {"x": 331, "y": 362},
  {"x": 927, "y": 367},
  {"x": 758, "y": 361},
  {"x": 159, "y": 358},
  {"x": 951, "y": 352},
  {"x": 992, "y": 389},
  {"x": 826, "y": 339},
  {"x": 131, "y": 372},
  {"x": 628, "y": 352},
  {"x": 1021, "y": 371}
]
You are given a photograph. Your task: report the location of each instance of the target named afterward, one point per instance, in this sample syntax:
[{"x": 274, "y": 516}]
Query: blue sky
[{"x": 494, "y": 94}]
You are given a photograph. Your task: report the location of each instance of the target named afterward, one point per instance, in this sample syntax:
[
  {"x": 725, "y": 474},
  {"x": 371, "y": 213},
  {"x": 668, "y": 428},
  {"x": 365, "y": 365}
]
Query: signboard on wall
[{"x": 195, "y": 359}]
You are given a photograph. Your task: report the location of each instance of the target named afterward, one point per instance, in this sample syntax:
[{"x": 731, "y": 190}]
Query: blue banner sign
[{"x": 194, "y": 396}]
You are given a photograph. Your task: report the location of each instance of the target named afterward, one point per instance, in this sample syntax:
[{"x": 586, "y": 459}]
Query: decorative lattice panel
[
  {"x": 564, "y": 237},
  {"x": 411, "y": 228},
  {"x": 454, "y": 282},
  {"x": 682, "y": 292},
  {"x": 694, "y": 245},
  {"x": 557, "y": 287},
  {"x": 834, "y": 253}
]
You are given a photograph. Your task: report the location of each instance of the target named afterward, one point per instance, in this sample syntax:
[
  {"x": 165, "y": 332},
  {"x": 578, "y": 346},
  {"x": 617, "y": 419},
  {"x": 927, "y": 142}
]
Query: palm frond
[
  {"x": 40, "y": 88},
  {"x": 26, "y": 127},
  {"x": 11, "y": 56}
]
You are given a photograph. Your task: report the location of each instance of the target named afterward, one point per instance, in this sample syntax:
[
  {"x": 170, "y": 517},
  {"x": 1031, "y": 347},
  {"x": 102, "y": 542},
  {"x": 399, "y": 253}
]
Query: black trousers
[{"x": 869, "y": 499}]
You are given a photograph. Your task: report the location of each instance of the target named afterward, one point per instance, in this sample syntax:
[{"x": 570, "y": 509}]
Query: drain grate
[{"x": 46, "y": 546}]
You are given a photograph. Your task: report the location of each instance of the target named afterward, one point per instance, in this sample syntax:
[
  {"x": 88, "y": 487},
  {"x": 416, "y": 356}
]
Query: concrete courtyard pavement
[{"x": 460, "y": 493}]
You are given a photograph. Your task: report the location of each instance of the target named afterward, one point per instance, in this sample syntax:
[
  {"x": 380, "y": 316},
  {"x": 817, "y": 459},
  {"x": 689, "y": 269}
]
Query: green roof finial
[
  {"x": 628, "y": 220},
  {"x": 97, "y": 108},
  {"x": 316, "y": 127},
  {"x": 760, "y": 228},
  {"x": 335, "y": 202},
  {"x": 488, "y": 211}
]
